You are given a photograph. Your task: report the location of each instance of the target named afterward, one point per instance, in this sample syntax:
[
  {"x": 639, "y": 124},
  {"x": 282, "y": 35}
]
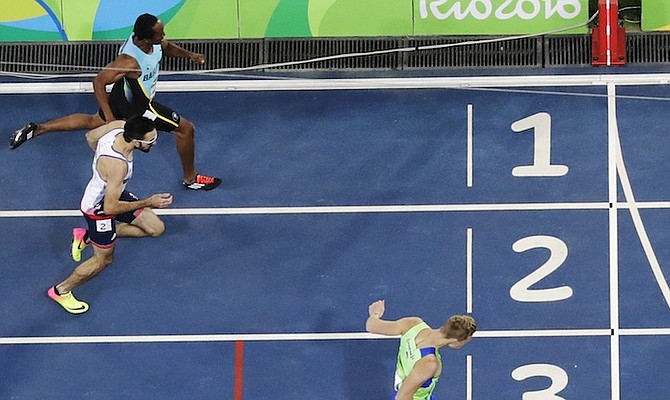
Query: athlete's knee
[
  {"x": 155, "y": 229},
  {"x": 101, "y": 261},
  {"x": 95, "y": 121},
  {"x": 106, "y": 259},
  {"x": 185, "y": 130},
  {"x": 188, "y": 125}
]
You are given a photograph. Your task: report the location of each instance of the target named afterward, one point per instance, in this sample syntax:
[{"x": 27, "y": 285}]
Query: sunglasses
[{"x": 148, "y": 142}]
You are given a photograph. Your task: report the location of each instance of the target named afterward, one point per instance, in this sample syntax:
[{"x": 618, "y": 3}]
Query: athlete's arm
[
  {"x": 423, "y": 370},
  {"x": 375, "y": 323},
  {"x": 113, "y": 170},
  {"x": 123, "y": 65},
  {"x": 94, "y": 135},
  {"x": 172, "y": 50}
]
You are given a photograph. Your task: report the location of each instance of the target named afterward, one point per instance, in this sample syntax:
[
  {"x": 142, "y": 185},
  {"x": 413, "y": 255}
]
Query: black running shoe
[
  {"x": 203, "y": 182},
  {"x": 21, "y": 135}
]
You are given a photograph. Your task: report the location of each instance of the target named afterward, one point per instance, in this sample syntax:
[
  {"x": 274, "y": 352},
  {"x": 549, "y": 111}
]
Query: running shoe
[
  {"x": 67, "y": 301},
  {"x": 21, "y": 135},
  {"x": 78, "y": 243},
  {"x": 203, "y": 182}
]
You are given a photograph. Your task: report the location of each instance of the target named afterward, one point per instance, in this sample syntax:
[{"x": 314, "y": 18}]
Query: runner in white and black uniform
[
  {"x": 92, "y": 203},
  {"x": 106, "y": 202}
]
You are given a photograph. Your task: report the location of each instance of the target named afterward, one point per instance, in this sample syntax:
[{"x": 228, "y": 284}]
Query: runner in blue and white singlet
[
  {"x": 144, "y": 86},
  {"x": 130, "y": 95},
  {"x": 134, "y": 75}
]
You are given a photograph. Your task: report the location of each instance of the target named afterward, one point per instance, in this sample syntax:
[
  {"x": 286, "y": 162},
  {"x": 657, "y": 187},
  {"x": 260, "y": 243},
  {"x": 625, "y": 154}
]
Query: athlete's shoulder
[
  {"x": 125, "y": 63},
  {"x": 111, "y": 129},
  {"x": 118, "y": 123},
  {"x": 408, "y": 323}
]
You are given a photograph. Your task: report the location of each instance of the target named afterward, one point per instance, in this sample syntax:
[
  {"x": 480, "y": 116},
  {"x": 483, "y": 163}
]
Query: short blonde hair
[{"x": 459, "y": 327}]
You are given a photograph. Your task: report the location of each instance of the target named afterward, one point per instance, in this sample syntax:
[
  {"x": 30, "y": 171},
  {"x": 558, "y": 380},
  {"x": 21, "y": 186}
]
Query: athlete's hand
[
  {"x": 198, "y": 58},
  {"x": 160, "y": 200},
  {"x": 377, "y": 308}
]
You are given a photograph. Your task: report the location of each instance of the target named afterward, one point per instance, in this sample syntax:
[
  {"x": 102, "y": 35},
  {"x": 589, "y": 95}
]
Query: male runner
[
  {"x": 419, "y": 363},
  {"x": 106, "y": 201},
  {"x": 134, "y": 74}
]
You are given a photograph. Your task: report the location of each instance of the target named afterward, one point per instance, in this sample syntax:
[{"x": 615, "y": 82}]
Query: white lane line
[
  {"x": 355, "y": 84},
  {"x": 469, "y": 266},
  {"x": 360, "y": 209},
  {"x": 644, "y": 331},
  {"x": 468, "y": 377},
  {"x": 278, "y": 337},
  {"x": 332, "y": 209},
  {"x": 470, "y": 159},
  {"x": 613, "y": 155}
]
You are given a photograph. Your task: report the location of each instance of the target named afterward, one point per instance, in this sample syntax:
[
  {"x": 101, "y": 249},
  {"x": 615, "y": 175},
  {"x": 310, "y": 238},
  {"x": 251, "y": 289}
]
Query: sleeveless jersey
[
  {"x": 94, "y": 194},
  {"x": 144, "y": 87},
  {"x": 408, "y": 355}
]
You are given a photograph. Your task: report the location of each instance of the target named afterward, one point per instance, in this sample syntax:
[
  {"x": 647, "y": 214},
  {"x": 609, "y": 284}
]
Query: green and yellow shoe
[
  {"x": 78, "y": 243},
  {"x": 68, "y": 301}
]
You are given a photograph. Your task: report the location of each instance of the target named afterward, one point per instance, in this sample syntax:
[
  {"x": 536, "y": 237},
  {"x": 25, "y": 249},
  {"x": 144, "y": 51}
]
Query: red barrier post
[{"x": 608, "y": 38}]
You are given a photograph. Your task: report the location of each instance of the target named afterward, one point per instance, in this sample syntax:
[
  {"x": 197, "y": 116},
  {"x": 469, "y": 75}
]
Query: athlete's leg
[
  {"x": 146, "y": 223},
  {"x": 73, "y": 122},
  {"x": 168, "y": 120},
  {"x": 102, "y": 234},
  {"x": 102, "y": 257},
  {"x": 139, "y": 223},
  {"x": 185, "y": 134}
]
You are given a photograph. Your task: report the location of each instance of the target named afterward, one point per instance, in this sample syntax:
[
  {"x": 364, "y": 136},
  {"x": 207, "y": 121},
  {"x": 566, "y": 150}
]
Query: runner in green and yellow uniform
[{"x": 419, "y": 363}]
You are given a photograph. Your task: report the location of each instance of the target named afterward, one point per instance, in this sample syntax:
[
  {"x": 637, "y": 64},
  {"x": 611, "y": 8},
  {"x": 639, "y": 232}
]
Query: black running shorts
[
  {"x": 102, "y": 227},
  {"x": 167, "y": 120}
]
